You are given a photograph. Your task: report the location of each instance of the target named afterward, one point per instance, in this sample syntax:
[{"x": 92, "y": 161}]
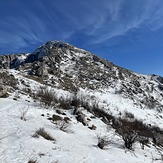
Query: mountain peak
[{"x": 84, "y": 92}]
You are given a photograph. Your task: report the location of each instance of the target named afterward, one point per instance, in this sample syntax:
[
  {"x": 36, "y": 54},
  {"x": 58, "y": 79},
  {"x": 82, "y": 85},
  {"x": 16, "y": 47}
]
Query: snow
[{"x": 79, "y": 144}]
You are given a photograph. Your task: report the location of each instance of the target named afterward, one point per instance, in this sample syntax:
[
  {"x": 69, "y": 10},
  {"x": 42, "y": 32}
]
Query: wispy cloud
[
  {"x": 111, "y": 19},
  {"x": 124, "y": 16},
  {"x": 98, "y": 21}
]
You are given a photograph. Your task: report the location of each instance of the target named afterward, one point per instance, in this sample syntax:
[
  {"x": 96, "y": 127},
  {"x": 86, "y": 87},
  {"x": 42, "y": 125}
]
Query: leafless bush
[
  {"x": 102, "y": 141},
  {"x": 158, "y": 138},
  {"x": 106, "y": 117},
  {"x": 143, "y": 141},
  {"x": 46, "y": 96},
  {"x": 129, "y": 138},
  {"x": 44, "y": 134},
  {"x": 130, "y": 131},
  {"x": 95, "y": 105},
  {"x": 79, "y": 100},
  {"x": 83, "y": 101},
  {"x": 23, "y": 113},
  {"x": 64, "y": 103},
  {"x": 128, "y": 135},
  {"x": 134, "y": 125}
]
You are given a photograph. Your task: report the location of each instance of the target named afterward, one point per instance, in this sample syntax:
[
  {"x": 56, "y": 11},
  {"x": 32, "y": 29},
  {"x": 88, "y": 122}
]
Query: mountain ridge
[{"x": 64, "y": 66}]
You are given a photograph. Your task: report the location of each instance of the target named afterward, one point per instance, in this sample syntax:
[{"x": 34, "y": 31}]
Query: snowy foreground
[{"x": 77, "y": 144}]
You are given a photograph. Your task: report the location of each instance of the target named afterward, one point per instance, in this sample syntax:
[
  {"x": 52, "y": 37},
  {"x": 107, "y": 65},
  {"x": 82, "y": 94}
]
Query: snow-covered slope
[{"x": 80, "y": 100}]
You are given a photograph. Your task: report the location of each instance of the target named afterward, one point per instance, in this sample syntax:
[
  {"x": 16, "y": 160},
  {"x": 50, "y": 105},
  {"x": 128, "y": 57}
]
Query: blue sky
[{"x": 127, "y": 32}]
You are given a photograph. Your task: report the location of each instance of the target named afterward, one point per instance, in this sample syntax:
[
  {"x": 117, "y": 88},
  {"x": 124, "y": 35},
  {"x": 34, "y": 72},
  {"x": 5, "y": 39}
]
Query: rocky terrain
[
  {"x": 73, "y": 86},
  {"x": 61, "y": 65}
]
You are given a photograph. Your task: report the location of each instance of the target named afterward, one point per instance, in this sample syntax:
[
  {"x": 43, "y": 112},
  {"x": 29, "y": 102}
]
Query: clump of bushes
[
  {"x": 136, "y": 130},
  {"x": 46, "y": 97}
]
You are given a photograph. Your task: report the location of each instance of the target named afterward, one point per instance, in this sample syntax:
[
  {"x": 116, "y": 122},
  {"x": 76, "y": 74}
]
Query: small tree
[
  {"x": 127, "y": 132},
  {"x": 129, "y": 139}
]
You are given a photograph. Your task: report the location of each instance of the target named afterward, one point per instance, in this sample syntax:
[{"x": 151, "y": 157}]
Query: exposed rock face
[
  {"x": 40, "y": 70},
  {"x": 3, "y": 90},
  {"x": 10, "y": 60},
  {"x": 5, "y": 60},
  {"x": 6, "y": 81},
  {"x": 62, "y": 65}
]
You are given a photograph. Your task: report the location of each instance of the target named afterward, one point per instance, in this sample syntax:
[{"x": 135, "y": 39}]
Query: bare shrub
[
  {"x": 79, "y": 100},
  {"x": 46, "y": 96},
  {"x": 128, "y": 135},
  {"x": 23, "y": 113},
  {"x": 129, "y": 138},
  {"x": 158, "y": 138},
  {"x": 135, "y": 130},
  {"x": 83, "y": 101},
  {"x": 130, "y": 131},
  {"x": 106, "y": 117},
  {"x": 134, "y": 125},
  {"x": 143, "y": 141},
  {"x": 75, "y": 100},
  {"x": 44, "y": 134},
  {"x": 95, "y": 104},
  {"x": 64, "y": 103},
  {"x": 102, "y": 141}
]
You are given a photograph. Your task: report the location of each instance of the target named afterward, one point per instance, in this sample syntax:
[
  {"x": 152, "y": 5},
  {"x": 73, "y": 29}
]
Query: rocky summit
[{"x": 64, "y": 66}]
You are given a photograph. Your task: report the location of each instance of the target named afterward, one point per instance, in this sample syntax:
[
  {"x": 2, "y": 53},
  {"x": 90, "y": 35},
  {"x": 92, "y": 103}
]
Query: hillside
[{"x": 64, "y": 104}]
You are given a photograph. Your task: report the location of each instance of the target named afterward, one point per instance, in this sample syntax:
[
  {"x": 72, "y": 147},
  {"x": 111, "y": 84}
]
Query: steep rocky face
[
  {"x": 7, "y": 81},
  {"x": 72, "y": 67},
  {"x": 62, "y": 65},
  {"x": 5, "y": 60},
  {"x": 11, "y": 60}
]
